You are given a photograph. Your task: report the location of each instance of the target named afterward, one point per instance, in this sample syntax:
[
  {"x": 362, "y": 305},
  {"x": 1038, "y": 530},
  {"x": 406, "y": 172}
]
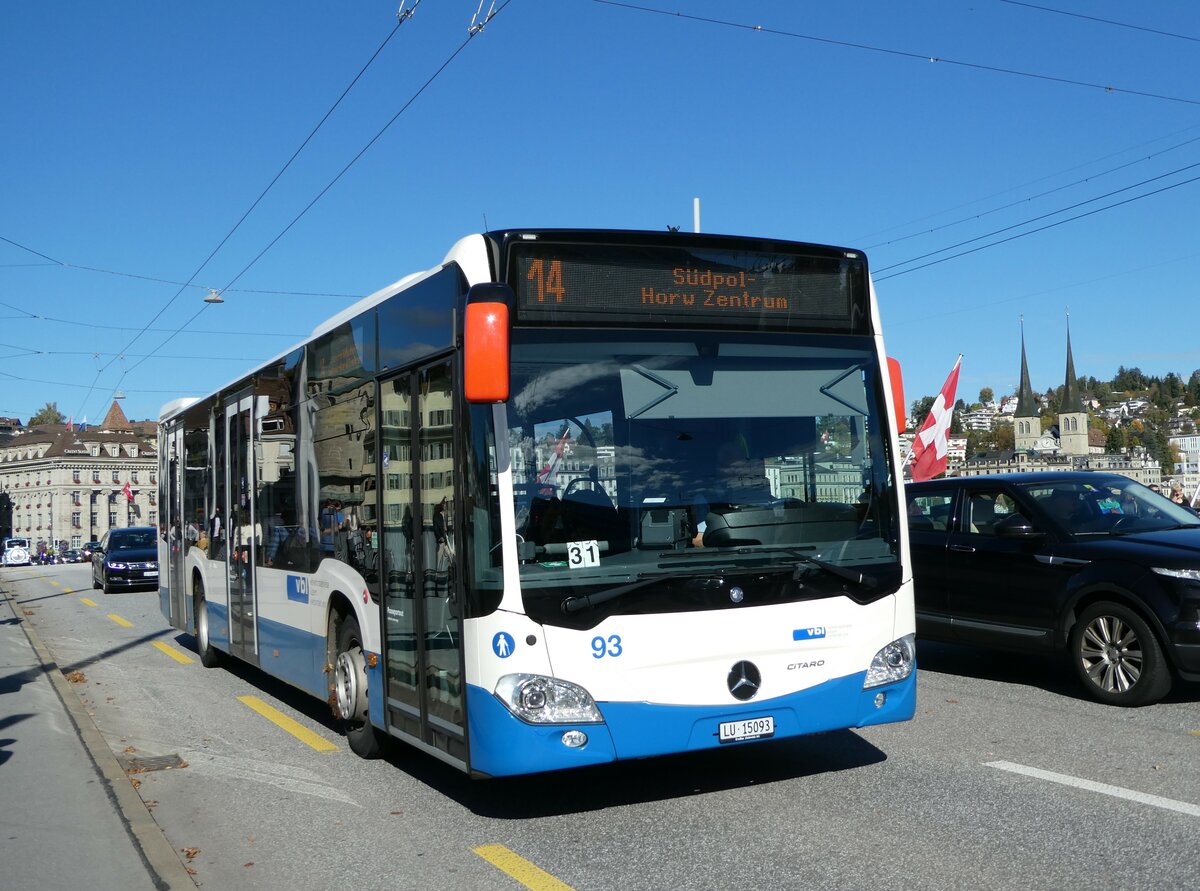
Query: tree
[
  {"x": 919, "y": 409},
  {"x": 49, "y": 414},
  {"x": 1114, "y": 443},
  {"x": 987, "y": 395}
]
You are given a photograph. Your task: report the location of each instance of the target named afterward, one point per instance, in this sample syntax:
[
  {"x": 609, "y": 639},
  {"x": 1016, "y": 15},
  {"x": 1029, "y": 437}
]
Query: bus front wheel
[
  {"x": 350, "y": 692},
  {"x": 209, "y": 656}
]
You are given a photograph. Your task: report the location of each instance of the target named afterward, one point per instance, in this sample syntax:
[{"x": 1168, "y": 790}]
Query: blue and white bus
[{"x": 569, "y": 497}]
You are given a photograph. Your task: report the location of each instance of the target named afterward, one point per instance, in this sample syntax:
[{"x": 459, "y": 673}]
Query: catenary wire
[
  {"x": 402, "y": 18},
  {"x": 923, "y": 57},
  {"x": 1041, "y": 228},
  {"x": 472, "y": 33},
  {"x": 1092, "y": 18},
  {"x": 1066, "y": 209}
]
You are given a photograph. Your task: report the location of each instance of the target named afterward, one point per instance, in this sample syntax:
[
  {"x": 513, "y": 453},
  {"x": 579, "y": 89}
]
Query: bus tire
[
  {"x": 210, "y": 657},
  {"x": 350, "y": 692}
]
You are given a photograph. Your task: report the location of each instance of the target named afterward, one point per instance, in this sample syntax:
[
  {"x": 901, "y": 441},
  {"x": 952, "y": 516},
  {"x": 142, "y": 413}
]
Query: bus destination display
[{"x": 612, "y": 283}]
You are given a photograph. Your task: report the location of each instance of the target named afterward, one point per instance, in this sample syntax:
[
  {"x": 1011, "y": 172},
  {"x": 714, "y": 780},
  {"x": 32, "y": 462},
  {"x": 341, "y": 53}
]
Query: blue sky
[{"x": 137, "y": 134}]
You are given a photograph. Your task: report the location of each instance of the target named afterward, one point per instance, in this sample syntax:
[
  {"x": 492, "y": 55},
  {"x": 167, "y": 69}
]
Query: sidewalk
[{"x": 69, "y": 817}]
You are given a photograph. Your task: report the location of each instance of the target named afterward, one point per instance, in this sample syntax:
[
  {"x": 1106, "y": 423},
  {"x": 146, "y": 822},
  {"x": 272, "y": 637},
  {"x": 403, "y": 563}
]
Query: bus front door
[
  {"x": 422, "y": 629},
  {"x": 171, "y": 524},
  {"x": 241, "y": 539}
]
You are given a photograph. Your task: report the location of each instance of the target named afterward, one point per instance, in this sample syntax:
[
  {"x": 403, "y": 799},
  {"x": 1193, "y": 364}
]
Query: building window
[
  {"x": 95, "y": 476},
  {"x": 112, "y": 518},
  {"x": 153, "y": 517},
  {"x": 116, "y": 476},
  {"x": 75, "y": 476},
  {"x": 133, "y": 477},
  {"x": 76, "y": 519}
]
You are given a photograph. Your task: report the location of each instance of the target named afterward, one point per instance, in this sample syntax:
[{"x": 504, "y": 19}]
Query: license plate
[
  {"x": 751, "y": 728},
  {"x": 151, "y": 573}
]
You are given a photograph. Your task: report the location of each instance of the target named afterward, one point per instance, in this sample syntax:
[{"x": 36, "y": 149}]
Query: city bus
[{"x": 567, "y": 498}]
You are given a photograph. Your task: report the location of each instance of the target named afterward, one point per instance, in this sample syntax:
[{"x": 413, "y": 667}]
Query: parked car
[
  {"x": 73, "y": 555},
  {"x": 126, "y": 558},
  {"x": 88, "y": 547},
  {"x": 1093, "y": 564}
]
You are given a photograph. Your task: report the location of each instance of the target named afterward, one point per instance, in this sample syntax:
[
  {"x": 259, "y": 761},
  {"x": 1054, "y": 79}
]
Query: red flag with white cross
[
  {"x": 128, "y": 491},
  {"x": 930, "y": 447}
]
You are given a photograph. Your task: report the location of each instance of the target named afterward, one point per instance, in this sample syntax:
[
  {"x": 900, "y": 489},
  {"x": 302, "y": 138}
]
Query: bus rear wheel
[{"x": 350, "y": 692}]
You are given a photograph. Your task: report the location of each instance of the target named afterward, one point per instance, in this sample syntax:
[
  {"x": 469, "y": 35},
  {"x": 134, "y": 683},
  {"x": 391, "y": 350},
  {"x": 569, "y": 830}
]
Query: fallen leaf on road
[
  {"x": 190, "y": 853},
  {"x": 76, "y": 677}
]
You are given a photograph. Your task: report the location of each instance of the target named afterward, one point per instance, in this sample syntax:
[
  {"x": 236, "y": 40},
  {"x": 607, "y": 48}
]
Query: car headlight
[
  {"x": 1191, "y": 575},
  {"x": 538, "y": 699},
  {"x": 893, "y": 663},
  {"x": 117, "y": 565}
]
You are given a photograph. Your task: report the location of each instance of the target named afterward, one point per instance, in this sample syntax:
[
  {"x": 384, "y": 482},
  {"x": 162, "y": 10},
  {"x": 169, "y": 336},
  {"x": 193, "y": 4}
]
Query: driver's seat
[{"x": 587, "y": 511}]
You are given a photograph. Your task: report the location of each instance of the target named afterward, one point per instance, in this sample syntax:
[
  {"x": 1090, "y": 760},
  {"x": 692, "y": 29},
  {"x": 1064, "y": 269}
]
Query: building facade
[{"x": 62, "y": 487}]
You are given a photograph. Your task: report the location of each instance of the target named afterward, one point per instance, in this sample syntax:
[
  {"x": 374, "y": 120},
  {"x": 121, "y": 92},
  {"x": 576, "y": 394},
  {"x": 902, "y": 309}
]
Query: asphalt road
[{"x": 1007, "y": 778}]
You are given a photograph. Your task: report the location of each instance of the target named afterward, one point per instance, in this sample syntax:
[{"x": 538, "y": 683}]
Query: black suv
[{"x": 1091, "y": 563}]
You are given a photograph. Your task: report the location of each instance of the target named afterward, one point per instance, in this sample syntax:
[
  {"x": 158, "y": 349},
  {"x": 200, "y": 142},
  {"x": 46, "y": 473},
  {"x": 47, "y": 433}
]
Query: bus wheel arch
[{"x": 348, "y": 680}]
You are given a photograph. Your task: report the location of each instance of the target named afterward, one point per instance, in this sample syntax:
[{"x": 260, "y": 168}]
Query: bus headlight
[
  {"x": 893, "y": 663},
  {"x": 538, "y": 699}
]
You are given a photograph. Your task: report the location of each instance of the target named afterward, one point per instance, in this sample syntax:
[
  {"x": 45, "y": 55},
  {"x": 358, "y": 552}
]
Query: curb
[{"x": 166, "y": 869}]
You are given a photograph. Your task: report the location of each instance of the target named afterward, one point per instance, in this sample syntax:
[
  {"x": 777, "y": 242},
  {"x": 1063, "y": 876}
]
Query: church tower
[
  {"x": 1027, "y": 423},
  {"x": 1072, "y": 416}
]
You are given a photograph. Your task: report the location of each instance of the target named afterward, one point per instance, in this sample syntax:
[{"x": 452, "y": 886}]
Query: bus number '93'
[{"x": 611, "y": 647}]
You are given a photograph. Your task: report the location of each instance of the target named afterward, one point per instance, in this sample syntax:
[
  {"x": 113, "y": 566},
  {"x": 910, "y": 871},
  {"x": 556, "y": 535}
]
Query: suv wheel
[{"x": 1117, "y": 656}]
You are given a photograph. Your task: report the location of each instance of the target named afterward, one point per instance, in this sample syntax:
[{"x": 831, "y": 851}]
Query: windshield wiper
[
  {"x": 850, "y": 575},
  {"x": 588, "y": 601}
]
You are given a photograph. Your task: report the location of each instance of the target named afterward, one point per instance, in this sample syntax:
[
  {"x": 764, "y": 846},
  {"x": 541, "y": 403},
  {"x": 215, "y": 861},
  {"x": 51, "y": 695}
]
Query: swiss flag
[
  {"x": 128, "y": 492},
  {"x": 929, "y": 448}
]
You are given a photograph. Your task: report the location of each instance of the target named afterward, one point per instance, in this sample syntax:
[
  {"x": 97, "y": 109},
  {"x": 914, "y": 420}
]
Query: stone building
[{"x": 62, "y": 486}]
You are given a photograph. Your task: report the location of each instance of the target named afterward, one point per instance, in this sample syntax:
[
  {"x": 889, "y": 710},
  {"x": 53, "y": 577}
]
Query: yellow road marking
[
  {"x": 1194, "y": 732},
  {"x": 87, "y": 601},
  {"x": 175, "y": 654},
  {"x": 279, "y": 719},
  {"x": 124, "y": 623},
  {"x": 520, "y": 869},
  {"x": 55, "y": 584}
]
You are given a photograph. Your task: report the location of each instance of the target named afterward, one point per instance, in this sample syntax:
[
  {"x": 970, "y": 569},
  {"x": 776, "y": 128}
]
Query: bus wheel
[
  {"x": 350, "y": 692},
  {"x": 209, "y": 656}
]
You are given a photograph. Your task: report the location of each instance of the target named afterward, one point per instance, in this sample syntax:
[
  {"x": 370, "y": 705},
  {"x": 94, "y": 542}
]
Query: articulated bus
[{"x": 569, "y": 497}]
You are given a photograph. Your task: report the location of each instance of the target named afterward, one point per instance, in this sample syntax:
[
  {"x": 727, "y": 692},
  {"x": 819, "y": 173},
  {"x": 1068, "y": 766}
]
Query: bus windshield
[{"x": 653, "y": 469}]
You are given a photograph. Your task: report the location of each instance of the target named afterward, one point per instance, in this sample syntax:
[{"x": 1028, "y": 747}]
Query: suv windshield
[
  {"x": 689, "y": 456},
  {"x": 1104, "y": 505}
]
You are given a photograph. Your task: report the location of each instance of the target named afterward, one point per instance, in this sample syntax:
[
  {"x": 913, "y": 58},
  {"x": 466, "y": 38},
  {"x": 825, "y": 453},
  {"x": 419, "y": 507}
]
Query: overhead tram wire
[
  {"x": 63, "y": 264},
  {"x": 1035, "y": 231},
  {"x": 1044, "y": 216},
  {"x": 922, "y": 57},
  {"x": 472, "y": 32},
  {"x": 1029, "y": 198},
  {"x": 1092, "y": 18},
  {"x": 402, "y": 16}
]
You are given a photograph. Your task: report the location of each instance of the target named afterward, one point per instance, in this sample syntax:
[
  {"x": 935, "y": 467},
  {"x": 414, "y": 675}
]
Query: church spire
[
  {"x": 1072, "y": 400},
  {"x": 1027, "y": 405}
]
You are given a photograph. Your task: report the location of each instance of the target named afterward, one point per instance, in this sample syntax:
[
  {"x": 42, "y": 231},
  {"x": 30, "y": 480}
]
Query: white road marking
[{"x": 1170, "y": 804}]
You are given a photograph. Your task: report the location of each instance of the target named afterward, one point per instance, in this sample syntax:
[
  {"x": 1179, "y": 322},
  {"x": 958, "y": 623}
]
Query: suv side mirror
[{"x": 1016, "y": 526}]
